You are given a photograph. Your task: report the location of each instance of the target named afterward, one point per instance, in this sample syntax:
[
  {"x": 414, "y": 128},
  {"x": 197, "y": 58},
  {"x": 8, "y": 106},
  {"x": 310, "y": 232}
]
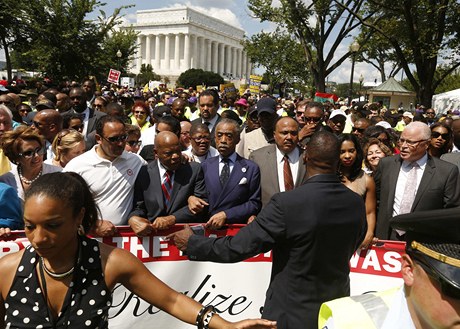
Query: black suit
[
  {"x": 213, "y": 131},
  {"x": 94, "y": 117},
  {"x": 313, "y": 231},
  {"x": 148, "y": 196},
  {"x": 438, "y": 189}
]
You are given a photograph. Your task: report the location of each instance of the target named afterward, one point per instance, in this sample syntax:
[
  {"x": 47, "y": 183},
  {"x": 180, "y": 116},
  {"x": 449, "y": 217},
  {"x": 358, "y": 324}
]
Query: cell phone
[{"x": 198, "y": 229}]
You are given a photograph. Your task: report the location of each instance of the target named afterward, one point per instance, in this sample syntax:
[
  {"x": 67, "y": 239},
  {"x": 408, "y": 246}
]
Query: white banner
[{"x": 236, "y": 290}]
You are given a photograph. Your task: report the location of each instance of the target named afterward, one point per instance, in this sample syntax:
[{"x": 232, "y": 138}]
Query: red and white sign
[
  {"x": 114, "y": 76},
  {"x": 237, "y": 290}
]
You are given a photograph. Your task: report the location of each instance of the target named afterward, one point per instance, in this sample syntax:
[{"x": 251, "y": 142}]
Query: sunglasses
[
  {"x": 360, "y": 130},
  {"x": 39, "y": 124},
  {"x": 77, "y": 127},
  {"x": 116, "y": 139},
  {"x": 31, "y": 153},
  {"x": 140, "y": 112},
  {"x": 436, "y": 134},
  {"x": 134, "y": 143},
  {"x": 310, "y": 119}
]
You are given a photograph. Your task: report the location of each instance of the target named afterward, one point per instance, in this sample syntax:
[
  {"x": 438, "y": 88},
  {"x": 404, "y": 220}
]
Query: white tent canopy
[{"x": 446, "y": 101}]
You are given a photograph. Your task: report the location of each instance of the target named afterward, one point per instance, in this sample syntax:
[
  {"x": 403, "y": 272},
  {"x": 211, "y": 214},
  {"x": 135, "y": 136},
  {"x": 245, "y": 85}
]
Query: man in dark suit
[
  {"x": 281, "y": 165},
  {"x": 232, "y": 182},
  {"x": 209, "y": 104},
  {"x": 413, "y": 181},
  {"x": 313, "y": 231},
  {"x": 80, "y": 106},
  {"x": 162, "y": 188}
]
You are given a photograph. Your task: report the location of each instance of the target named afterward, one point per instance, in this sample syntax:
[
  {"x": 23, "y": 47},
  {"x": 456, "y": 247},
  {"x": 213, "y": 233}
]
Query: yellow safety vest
[{"x": 364, "y": 311}]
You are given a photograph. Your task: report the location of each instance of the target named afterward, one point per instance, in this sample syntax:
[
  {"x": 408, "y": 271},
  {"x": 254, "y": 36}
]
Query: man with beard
[
  {"x": 232, "y": 182},
  {"x": 281, "y": 165},
  {"x": 110, "y": 171},
  {"x": 209, "y": 104}
]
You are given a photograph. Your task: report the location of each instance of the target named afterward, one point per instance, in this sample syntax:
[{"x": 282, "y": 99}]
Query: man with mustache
[{"x": 281, "y": 165}]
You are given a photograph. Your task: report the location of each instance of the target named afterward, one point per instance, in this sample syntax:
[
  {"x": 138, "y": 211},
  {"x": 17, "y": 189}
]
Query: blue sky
[{"x": 234, "y": 12}]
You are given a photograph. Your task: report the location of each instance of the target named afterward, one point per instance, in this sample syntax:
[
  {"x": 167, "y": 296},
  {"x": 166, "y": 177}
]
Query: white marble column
[
  {"x": 209, "y": 55},
  {"x": 148, "y": 48},
  {"x": 202, "y": 54},
  {"x": 139, "y": 52},
  {"x": 177, "y": 53},
  {"x": 228, "y": 60},
  {"x": 186, "y": 52},
  {"x": 245, "y": 61},
  {"x": 157, "y": 53},
  {"x": 234, "y": 61},
  {"x": 221, "y": 49},
  {"x": 239, "y": 66},
  {"x": 195, "y": 52},
  {"x": 215, "y": 57},
  {"x": 167, "y": 55}
]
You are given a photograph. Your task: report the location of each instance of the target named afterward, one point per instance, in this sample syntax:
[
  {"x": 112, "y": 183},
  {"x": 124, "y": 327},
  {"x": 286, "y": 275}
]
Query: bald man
[
  {"x": 48, "y": 123},
  {"x": 163, "y": 187}
]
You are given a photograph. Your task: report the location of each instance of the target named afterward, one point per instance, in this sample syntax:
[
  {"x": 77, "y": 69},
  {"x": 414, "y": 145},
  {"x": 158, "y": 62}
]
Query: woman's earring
[{"x": 81, "y": 230}]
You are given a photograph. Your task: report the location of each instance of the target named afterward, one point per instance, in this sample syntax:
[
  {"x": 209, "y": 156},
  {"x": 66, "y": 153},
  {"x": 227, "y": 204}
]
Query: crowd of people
[{"x": 154, "y": 158}]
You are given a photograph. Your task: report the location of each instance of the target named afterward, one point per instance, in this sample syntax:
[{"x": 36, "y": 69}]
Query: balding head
[
  {"x": 6, "y": 119},
  {"x": 167, "y": 149},
  {"x": 48, "y": 123},
  {"x": 419, "y": 128}
]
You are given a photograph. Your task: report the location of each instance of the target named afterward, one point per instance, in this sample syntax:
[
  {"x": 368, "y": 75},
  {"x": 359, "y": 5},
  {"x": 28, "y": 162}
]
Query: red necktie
[
  {"x": 288, "y": 181},
  {"x": 166, "y": 186}
]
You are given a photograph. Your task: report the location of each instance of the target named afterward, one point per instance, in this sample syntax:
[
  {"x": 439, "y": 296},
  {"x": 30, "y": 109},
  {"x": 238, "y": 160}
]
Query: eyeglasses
[
  {"x": 134, "y": 143},
  {"x": 436, "y": 134},
  {"x": 140, "y": 112},
  {"x": 430, "y": 113},
  {"x": 401, "y": 141},
  {"x": 32, "y": 153},
  {"x": 39, "y": 124},
  {"x": 299, "y": 113},
  {"x": 201, "y": 139},
  {"x": 116, "y": 139},
  {"x": 446, "y": 288}
]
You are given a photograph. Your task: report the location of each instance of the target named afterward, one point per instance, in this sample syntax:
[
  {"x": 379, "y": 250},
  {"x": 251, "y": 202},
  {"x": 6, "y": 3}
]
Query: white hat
[
  {"x": 383, "y": 124},
  {"x": 408, "y": 114},
  {"x": 338, "y": 112}
]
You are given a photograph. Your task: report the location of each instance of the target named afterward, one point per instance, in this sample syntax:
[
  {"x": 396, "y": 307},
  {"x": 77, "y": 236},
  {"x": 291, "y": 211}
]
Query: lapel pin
[{"x": 243, "y": 169}]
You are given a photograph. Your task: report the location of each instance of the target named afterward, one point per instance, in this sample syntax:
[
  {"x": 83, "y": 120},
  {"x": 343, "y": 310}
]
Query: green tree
[
  {"x": 281, "y": 55},
  {"x": 321, "y": 26},
  {"x": 195, "y": 77},
  {"x": 61, "y": 41},
  {"x": 422, "y": 32},
  {"x": 146, "y": 74}
]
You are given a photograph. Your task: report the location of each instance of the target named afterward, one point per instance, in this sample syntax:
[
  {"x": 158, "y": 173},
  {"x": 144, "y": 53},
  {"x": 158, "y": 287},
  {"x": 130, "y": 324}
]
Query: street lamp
[
  {"x": 119, "y": 54},
  {"x": 361, "y": 79},
  {"x": 354, "y": 47}
]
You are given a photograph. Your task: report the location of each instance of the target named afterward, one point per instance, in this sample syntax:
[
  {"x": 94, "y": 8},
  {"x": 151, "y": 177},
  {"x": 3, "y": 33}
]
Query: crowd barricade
[{"x": 237, "y": 290}]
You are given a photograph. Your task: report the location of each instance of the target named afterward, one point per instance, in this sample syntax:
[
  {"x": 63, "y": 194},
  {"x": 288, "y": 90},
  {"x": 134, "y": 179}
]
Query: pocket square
[{"x": 243, "y": 181}]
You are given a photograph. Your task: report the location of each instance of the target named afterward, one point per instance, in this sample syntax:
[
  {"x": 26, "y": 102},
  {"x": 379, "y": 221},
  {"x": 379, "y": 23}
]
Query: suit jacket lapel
[
  {"x": 301, "y": 171},
  {"x": 393, "y": 177},
  {"x": 233, "y": 180},
  {"x": 273, "y": 163},
  {"x": 176, "y": 186},
  {"x": 157, "y": 180},
  {"x": 426, "y": 179}
]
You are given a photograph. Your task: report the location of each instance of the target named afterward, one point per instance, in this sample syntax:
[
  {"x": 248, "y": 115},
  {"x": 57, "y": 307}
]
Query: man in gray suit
[
  {"x": 454, "y": 156},
  {"x": 163, "y": 186},
  {"x": 274, "y": 171},
  {"x": 413, "y": 181}
]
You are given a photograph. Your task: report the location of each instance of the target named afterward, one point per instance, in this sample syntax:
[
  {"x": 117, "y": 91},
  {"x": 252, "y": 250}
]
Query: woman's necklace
[
  {"x": 55, "y": 275},
  {"x": 25, "y": 180}
]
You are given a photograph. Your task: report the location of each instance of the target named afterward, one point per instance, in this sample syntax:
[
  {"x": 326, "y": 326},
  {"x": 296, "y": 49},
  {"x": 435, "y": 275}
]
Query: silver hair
[{"x": 420, "y": 127}]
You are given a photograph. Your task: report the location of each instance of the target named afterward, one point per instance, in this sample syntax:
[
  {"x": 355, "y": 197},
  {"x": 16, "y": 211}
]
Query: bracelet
[
  {"x": 208, "y": 318},
  {"x": 200, "y": 317}
]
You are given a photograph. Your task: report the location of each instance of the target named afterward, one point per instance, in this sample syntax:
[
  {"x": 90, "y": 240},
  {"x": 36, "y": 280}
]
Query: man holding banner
[{"x": 312, "y": 230}]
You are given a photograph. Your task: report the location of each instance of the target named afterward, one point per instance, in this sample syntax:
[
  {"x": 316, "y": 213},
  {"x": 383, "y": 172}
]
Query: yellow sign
[
  {"x": 254, "y": 83},
  {"x": 228, "y": 89}
]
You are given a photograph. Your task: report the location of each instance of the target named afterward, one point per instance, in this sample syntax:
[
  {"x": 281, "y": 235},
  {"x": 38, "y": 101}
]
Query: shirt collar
[{"x": 232, "y": 157}]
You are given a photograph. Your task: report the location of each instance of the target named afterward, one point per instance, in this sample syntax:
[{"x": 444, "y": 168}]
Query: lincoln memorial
[{"x": 174, "y": 40}]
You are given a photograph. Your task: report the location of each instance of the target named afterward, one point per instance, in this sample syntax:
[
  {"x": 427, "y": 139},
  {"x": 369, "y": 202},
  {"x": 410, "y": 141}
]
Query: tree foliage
[
  {"x": 422, "y": 32},
  {"x": 196, "y": 77},
  {"x": 321, "y": 27},
  {"x": 59, "y": 40},
  {"x": 146, "y": 74},
  {"x": 281, "y": 55}
]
